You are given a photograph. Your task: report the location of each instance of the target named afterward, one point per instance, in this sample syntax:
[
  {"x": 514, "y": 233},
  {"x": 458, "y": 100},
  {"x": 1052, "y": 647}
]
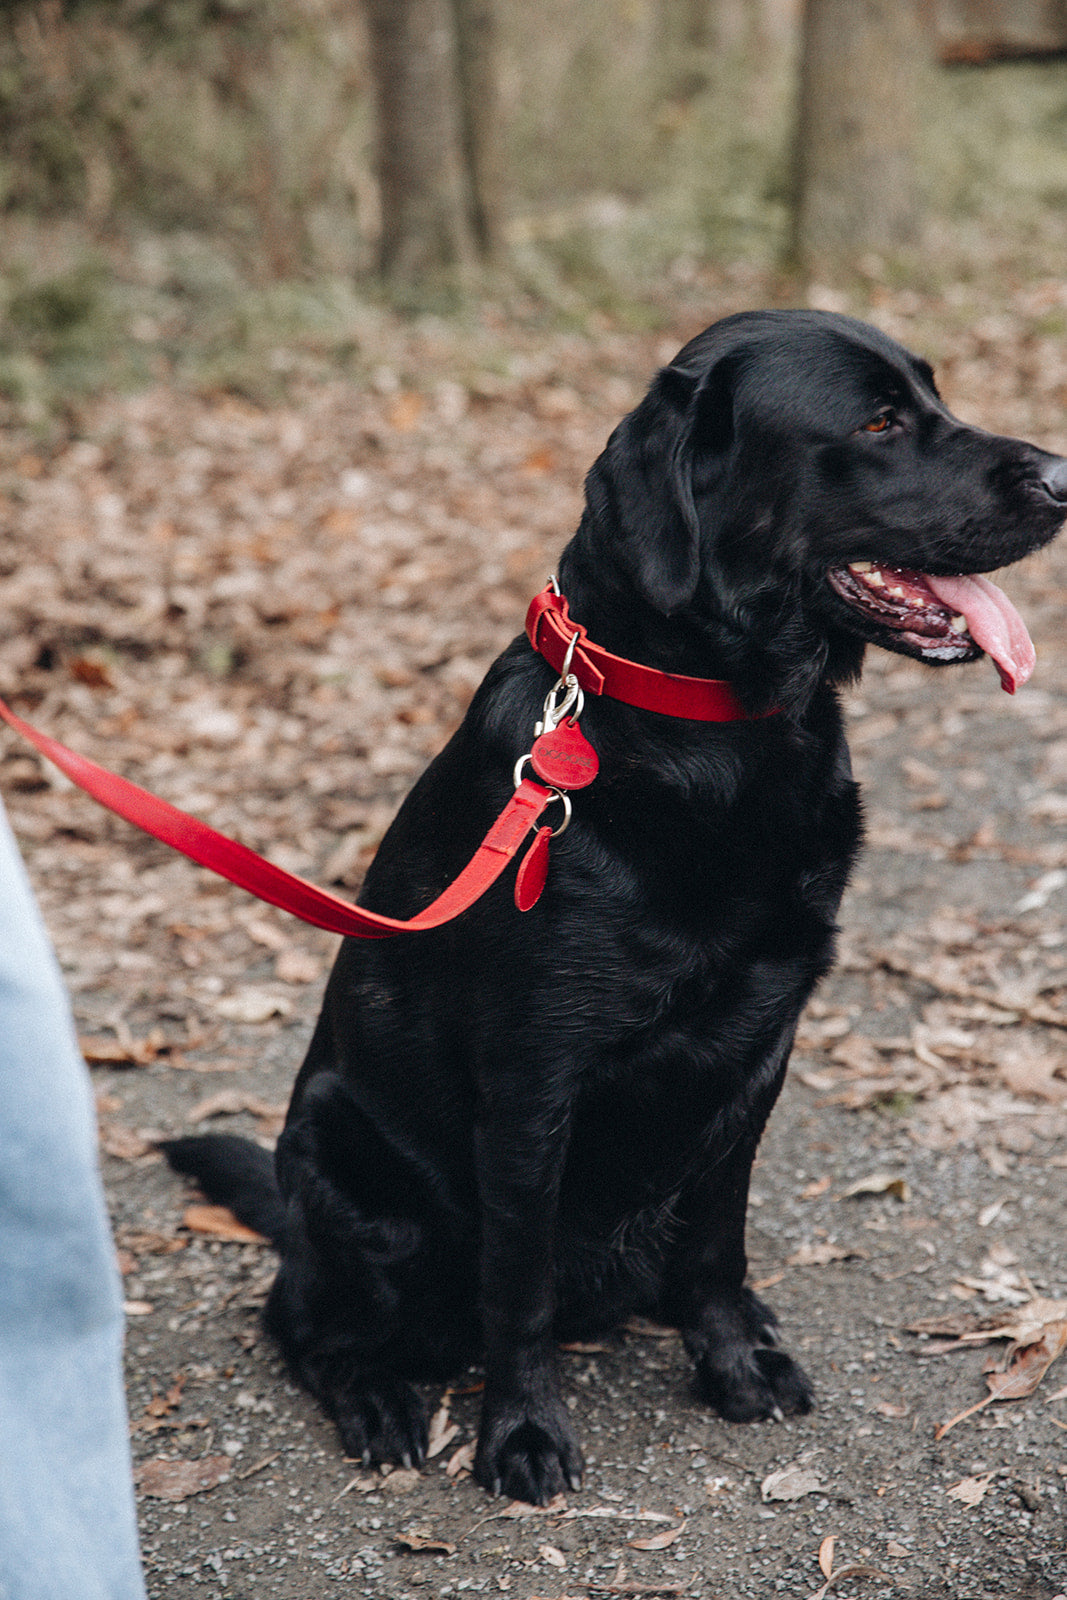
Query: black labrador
[{"x": 524, "y": 1128}]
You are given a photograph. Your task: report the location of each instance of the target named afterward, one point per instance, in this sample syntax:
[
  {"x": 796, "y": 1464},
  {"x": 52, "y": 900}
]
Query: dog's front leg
[
  {"x": 731, "y": 1334},
  {"x": 527, "y": 1447}
]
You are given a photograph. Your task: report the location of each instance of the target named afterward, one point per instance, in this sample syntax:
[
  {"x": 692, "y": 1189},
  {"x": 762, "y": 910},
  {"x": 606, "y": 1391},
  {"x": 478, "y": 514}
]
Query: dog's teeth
[
  {"x": 914, "y": 601},
  {"x": 875, "y": 580},
  {"x": 860, "y": 566},
  {"x": 897, "y": 592},
  {"x": 958, "y": 624}
]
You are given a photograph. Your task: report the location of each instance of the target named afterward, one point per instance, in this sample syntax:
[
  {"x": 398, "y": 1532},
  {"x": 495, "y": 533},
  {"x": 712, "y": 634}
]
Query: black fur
[{"x": 527, "y": 1127}]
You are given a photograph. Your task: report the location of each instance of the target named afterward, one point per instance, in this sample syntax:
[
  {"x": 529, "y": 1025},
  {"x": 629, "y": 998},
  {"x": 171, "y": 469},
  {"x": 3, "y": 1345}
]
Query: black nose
[{"x": 1054, "y": 480}]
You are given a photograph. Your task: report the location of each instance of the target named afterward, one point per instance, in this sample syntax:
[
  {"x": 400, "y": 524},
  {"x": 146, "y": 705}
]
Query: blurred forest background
[{"x": 227, "y": 190}]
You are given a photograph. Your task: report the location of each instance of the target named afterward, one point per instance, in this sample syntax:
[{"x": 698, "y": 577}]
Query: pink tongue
[{"x": 993, "y": 623}]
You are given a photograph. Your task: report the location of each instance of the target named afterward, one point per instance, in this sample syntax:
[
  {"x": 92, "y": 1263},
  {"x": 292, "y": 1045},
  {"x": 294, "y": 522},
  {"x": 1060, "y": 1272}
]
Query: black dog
[{"x": 526, "y": 1127}]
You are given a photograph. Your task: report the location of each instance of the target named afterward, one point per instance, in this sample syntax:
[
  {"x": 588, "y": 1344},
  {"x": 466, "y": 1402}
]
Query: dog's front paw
[
  {"x": 740, "y": 1370},
  {"x": 751, "y": 1383},
  {"x": 527, "y": 1452},
  {"x": 383, "y": 1421}
]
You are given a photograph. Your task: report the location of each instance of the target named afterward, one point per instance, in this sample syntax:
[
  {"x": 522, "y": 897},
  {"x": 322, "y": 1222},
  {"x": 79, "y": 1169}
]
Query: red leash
[
  {"x": 561, "y": 757},
  {"x": 261, "y": 877}
]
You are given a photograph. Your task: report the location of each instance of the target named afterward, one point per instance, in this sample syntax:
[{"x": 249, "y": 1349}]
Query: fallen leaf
[
  {"x": 790, "y": 1483},
  {"x": 427, "y": 1542},
  {"x": 826, "y": 1555},
  {"x": 258, "y": 1466},
  {"x": 401, "y": 1480},
  {"x": 219, "y": 1223},
  {"x": 297, "y": 966},
  {"x": 659, "y": 1541},
  {"x": 821, "y": 1253},
  {"x": 1001, "y": 1287},
  {"x": 124, "y": 1052},
  {"x": 230, "y": 1102},
  {"x": 363, "y": 1483},
  {"x": 1028, "y": 1069},
  {"x": 265, "y": 933},
  {"x": 859, "y": 1571},
  {"x": 519, "y": 1510},
  {"x": 1021, "y": 1324},
  {"x": 161, "y": 1405},
  {"x": 252, "y": 1005},
  {"x": 895, "y": 1549},
  {"x": 886, "y": 1408},
  {"x": 970, "y": 1491},
  {"x": 92, "y": 670},
  {"x": 461, "y": 1460},
  {"x": 125, "y": 1144},
  {"x": 1027, "y": 1366},
  {"x": 879, "y": 1183},
  {"x": 405, "y": 410},
  {"x": 552, "y": 1556},
  {"x": 813, "y": 1190},
  {"x": 177, "y": 1480},
  {"x": 442, "y": 1432}
]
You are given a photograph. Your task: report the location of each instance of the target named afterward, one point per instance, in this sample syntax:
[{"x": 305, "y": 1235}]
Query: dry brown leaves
[
  {"x": 987, "y": 1063},
  {"x": 792, "y": 1482},
  {"x": 834, "y": 1575},
  {"x": 1037, "y": 1336},
  {"x": 166, "y": 1479},
  {"x": 229, "y": 1102}
]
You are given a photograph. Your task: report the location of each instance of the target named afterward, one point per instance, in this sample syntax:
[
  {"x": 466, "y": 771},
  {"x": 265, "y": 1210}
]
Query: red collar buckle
[{"x": 565, "y": 644}]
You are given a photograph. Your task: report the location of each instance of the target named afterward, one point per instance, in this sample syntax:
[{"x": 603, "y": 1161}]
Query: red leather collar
[{"x": 551, "y": 631}]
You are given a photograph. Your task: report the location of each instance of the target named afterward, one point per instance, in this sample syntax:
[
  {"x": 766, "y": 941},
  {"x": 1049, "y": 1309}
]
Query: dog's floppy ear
[{"x": 660, "y": 463}]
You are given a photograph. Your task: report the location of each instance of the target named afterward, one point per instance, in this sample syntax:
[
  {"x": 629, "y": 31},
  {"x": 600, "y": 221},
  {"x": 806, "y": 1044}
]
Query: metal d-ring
[
  {"x": 557, "y": 794},
  {"x": 565, "y": 799},
  {"x": 565, "y": 669}
]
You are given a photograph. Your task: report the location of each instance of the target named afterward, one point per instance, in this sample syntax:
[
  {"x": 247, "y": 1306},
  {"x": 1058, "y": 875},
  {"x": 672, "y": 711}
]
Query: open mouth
[{"x": 940, "y": 619}]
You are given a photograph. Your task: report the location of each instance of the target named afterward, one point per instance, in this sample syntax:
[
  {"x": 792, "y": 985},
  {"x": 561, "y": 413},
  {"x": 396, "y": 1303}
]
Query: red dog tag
[{"x": 564, "y": 758}]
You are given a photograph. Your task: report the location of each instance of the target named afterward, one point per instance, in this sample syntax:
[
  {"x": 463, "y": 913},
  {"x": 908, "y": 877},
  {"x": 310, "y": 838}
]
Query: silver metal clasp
[{"x": 565, "y": 698}]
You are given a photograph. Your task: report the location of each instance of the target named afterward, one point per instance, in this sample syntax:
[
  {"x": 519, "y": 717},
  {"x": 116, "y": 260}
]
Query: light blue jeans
[{"x": 67, "y": 1529}]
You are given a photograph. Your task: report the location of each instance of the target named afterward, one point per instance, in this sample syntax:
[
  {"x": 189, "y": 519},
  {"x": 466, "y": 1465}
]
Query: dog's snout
[{"x": 1054, "y": 480}]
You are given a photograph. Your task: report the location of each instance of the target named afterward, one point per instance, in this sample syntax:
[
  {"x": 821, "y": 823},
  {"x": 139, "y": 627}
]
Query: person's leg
[{"x": 67, "y": 1528}]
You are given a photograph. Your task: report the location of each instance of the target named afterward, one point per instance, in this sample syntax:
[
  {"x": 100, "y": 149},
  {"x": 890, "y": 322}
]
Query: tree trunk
[
  {"x": 856, "y": 183},
  {"x": 425, "y": 230},
  {"x": 478, "y": 77}
]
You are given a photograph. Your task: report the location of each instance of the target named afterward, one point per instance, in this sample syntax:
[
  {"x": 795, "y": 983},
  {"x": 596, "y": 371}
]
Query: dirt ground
[{"x": 274, "y": 617}]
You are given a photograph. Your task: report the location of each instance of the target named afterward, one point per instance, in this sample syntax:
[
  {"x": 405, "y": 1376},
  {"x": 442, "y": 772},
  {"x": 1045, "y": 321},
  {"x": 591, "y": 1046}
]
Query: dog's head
[{"x": 793, "y": 488}]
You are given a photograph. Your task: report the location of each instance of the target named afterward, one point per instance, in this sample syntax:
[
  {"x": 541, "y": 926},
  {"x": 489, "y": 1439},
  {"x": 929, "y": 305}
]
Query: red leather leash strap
[
  {"x": 262, "y": 878},
  {"x": 551, "y": 631},
  {"x": 560, "y": 754}
]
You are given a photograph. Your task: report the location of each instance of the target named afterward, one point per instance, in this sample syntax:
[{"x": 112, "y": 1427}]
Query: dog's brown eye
[{"x": 878, "y": 424}]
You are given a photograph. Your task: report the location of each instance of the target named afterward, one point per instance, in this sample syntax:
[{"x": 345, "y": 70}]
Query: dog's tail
[{"x": 236, "y": 1173}]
